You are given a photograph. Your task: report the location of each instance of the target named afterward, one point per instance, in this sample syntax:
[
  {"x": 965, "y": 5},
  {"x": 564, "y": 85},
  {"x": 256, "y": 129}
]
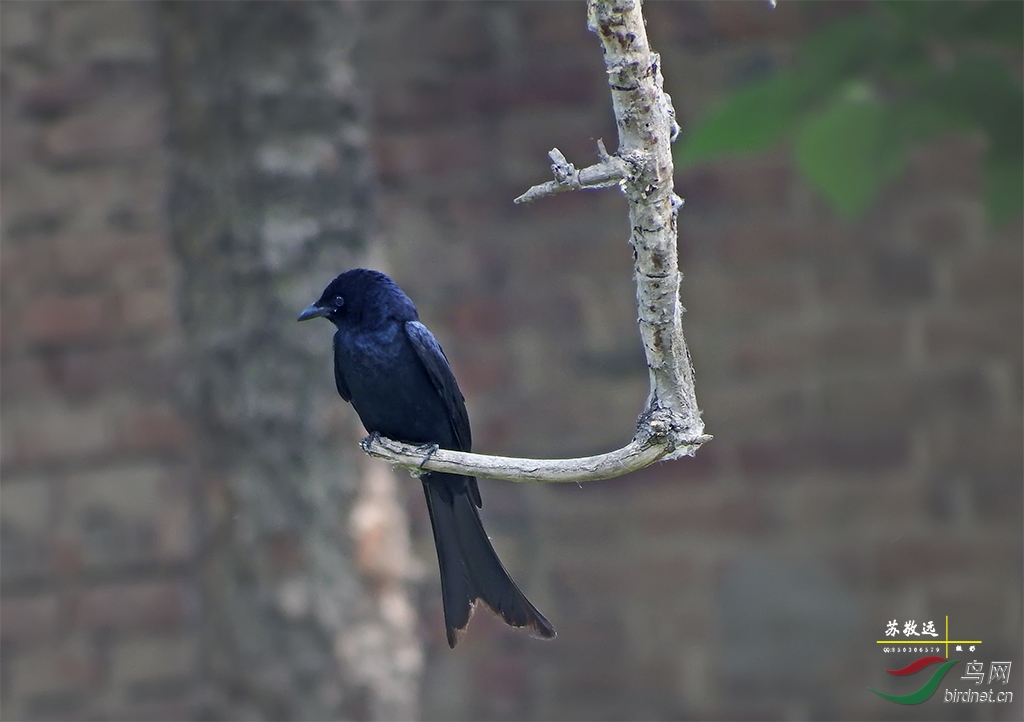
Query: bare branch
[
  {"x": 632, "y": 457},
  {"x": 670, "y": 426},
  {"x": 609, "y": 172}
]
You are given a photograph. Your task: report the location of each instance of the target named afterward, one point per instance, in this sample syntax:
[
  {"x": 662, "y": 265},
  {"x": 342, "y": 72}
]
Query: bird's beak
[{"x": 313, "y": 311}]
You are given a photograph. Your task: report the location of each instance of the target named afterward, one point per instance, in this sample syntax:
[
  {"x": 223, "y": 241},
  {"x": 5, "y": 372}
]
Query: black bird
[{"x": 394, "y": 373}]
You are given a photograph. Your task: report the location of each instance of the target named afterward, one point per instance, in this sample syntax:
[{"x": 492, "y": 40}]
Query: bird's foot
[
  {"x": 427, "y": 450},
  {"x": 367, "y": 441}
]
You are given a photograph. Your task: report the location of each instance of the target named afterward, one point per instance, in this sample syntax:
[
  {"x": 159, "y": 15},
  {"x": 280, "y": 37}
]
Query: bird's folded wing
[{"x": 436, "y": 363}]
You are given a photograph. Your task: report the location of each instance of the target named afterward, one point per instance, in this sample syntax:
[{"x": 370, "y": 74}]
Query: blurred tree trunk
[{"x": 305, "y": 558}]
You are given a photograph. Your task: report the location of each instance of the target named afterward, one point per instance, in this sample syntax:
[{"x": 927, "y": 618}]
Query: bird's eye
[{"x": 339, "y": 301}]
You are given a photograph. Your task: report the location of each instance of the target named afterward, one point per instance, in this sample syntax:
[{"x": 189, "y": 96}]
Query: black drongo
[{"x": 394, "y": 373}]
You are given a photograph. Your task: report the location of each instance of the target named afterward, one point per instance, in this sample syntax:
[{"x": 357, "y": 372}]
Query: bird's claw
[
  {"x": 427, "y": 450},
  {"x": 367, "y": 441}
]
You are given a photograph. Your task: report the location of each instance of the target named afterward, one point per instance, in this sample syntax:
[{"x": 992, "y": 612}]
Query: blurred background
[{"x": 188, "y": 528}]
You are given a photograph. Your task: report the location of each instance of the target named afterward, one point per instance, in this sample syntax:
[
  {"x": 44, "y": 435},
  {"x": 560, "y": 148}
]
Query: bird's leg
[{"x": 428, "y": 451}]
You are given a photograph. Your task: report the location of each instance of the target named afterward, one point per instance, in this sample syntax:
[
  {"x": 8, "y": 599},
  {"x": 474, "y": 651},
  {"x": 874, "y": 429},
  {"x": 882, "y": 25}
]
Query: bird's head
[{"x": 360, "y": 296}]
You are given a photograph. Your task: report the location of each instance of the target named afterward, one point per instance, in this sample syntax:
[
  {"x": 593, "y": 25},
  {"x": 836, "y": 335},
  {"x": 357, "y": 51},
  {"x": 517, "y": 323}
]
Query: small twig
[{"x": 608, "y": 172}]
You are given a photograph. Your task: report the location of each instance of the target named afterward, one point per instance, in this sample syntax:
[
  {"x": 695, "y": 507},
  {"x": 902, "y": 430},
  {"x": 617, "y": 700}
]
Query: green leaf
[
  {"x": 846, "y": 153},
  {"x": 918, "y": 120},
  {"x": 751, "y": 120},
  {"x": 1004, "y": 187}
]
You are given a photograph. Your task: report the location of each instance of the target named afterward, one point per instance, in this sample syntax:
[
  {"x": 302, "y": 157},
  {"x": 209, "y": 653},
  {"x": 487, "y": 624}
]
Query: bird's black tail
[{"x": 470, "y": 568}]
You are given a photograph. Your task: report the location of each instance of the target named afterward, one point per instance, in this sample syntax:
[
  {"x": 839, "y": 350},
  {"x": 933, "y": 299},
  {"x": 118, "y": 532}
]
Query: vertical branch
[
  {"x": 647, "y": 126},
  {"x": 670, "y": 426}
]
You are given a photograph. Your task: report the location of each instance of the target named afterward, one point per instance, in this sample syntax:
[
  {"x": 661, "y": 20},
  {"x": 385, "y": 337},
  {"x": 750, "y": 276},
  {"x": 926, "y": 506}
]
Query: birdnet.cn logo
[{"x": 907, "y": 644}]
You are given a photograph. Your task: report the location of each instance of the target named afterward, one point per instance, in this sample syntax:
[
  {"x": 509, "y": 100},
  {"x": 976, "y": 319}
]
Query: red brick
[
  {"x": 25, "y": 555},
  {"x": 127, "y": 606},
  {"x": 749, "y": 406},
  {"x": 859, "y": 452},
  {"x": 599, "y": 637},
  {"x": 23, "y": 28},
  {"x": 82, "y": 373},
  {"x": 844, "y": 283},
  {"x": 504, "y": 680},
  {"x": 455, "y": 150},
  {"x": 23, "y": 261},
  {"x": 950, "y": 162},
  {"x": 60, "y": 91},
  {"x": 28, "y": 619},
  {"x": 18, "y": 139},
  {"x": 589, "y": 586},
  {"x": 132, "y": 259},
  {"x": 886, "y": 397},
  {"x": 182, "y": 708},
  {"x": 59, "y": 320},
  {"x": 58, "y": 434},
  {"x": 990, "y": 497},
  {"x": 529, "y": 87},
  {"x": 71, "y": 666},
  {"x": 482, "y": 372},
  {"x": 67, "y": 558},
  {"x": 754, "y": 185},
  {"x": 994, "y": 444},
  {"x": 947, "y": 226},
  {"x": 747, "y": 21},
  {"x": 743, "y": 516},
  {"x": 546, "y": 27},
  {"x": 468, "y": 30},
  {"x": 147, "y": 311},
  {"x": 964, "y": 335},
  {"x": 914, "y": 558},
  {"x": 158, "y": 428},
  {"x": 991, "y": 274},
  {"x": 957, "y": 391},
  {"x": 23, "y": 379},
  {"x": 901, "y": 275},
  {"x": 109, "y": 132},
  {"x": 758, "y": 242},
  {"x": 477, "y": 317},
  {"x": 863, "y": 342},
  {"x": 744, "y": 299},
  {"x": 774, "y": 353},
  {"x": 577, "y": 527}
]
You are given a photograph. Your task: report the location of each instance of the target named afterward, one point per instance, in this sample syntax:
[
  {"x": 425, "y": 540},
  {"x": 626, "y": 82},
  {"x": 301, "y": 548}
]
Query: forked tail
[{"x": 470, "y": 568}]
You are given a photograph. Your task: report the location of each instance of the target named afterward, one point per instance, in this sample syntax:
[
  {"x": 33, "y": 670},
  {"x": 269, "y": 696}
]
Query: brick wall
[
  {"x": 96, "y": 518},
  {"x": 862, "y": 381}
]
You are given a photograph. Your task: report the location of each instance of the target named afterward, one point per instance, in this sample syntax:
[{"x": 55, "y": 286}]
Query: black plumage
[{"x": 392, "y": 370}]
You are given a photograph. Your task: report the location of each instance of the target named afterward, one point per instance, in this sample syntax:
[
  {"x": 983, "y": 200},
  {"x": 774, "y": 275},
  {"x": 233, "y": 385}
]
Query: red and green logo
[
  {"x": 926, "y": 641},
  {"x": 929, "y": 687}
]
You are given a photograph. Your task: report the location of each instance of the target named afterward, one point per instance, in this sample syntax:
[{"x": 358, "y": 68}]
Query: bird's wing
[
  {"x": 436, "y": 363},
  {"x": 339, "y": 376}
]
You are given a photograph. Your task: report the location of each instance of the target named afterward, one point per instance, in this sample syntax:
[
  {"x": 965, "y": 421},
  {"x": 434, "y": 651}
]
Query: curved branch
[
  {"x": 670, "y": 426},
  {"x": 632, "y": 457}
]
